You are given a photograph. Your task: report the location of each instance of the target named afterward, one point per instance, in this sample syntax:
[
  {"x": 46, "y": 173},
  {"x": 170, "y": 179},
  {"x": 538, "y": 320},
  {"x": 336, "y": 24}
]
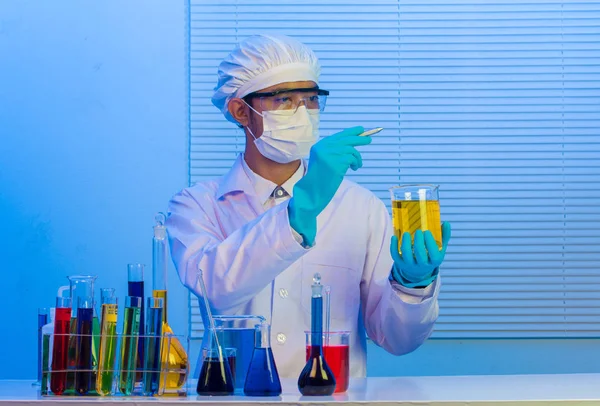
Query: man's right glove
[{"x": 329, "y": 161}]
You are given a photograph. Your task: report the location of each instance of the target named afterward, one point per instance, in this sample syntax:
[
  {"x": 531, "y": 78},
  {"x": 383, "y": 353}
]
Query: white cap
[{"x": 262, "y": 61}]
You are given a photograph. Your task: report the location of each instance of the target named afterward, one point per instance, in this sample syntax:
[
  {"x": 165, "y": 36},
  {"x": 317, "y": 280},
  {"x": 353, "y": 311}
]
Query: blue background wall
[{"x": 94, "y": 142}]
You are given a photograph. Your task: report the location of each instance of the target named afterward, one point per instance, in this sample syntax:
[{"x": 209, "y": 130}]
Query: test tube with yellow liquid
[
  {"x": 416, "y": 207},
  {"x": 108, "y": 343},
  {"x": 174, "y": 359}
]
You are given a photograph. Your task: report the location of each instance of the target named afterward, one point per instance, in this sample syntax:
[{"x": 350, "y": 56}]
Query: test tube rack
[{"x": 169, "y": 380}]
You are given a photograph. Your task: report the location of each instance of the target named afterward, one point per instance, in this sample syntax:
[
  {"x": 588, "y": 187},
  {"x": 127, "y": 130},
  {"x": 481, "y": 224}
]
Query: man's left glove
[{"x": 418, "y": 265}]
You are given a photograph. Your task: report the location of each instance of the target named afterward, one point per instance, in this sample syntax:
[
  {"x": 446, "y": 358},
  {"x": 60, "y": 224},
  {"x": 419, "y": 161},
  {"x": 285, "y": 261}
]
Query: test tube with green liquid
[
  {"x": 129, "y": 343},
  {"x": 108, "y": 346}
]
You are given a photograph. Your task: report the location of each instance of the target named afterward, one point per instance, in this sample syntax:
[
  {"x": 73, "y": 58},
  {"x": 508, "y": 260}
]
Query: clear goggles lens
[{"x": 314, "y": 99}]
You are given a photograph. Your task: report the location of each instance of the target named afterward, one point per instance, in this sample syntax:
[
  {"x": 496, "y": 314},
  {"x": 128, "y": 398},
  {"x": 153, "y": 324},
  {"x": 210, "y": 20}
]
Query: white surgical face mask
[{"x": 287, "y": 135}]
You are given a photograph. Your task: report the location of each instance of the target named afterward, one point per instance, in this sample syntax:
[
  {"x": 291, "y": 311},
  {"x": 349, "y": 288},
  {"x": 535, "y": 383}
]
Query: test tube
[
  {"x": 327, "y": 313},
  {"x": 154, "y": 323},
  {"x": 83, "y": 373},
  {"x": 106, "y": 293},
  {"x": 60, "y": 348},
  {"x": 42, "y": 321},
  {"x": 108, "y": 345},
  {"x": 129, "y": 344},
  {"x": 135, "y": 287}
]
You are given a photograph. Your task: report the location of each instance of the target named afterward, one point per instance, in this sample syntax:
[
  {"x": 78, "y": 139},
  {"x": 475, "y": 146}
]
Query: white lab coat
[{"x": 253, "y": 264}]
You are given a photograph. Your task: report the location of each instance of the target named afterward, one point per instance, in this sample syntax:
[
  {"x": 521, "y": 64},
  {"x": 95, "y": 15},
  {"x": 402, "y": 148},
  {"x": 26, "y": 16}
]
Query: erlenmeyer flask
[
  {"x": 262, "y": 378},
  {"x": 81, "y": 287}
]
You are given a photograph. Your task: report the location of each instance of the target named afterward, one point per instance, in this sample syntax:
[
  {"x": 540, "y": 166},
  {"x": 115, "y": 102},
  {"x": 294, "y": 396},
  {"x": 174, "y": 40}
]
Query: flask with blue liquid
[{"x": 262, "y": 378}]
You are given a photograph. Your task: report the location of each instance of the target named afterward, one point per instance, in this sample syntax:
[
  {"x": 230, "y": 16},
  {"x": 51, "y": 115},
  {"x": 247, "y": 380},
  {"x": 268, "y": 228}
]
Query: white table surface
[{"x": 500, "y": 390}]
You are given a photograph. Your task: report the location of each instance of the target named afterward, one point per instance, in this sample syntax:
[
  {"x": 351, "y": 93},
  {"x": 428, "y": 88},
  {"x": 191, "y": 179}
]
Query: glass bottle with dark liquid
[
  {"x": 81, "y": 287},
  {"x": 262, "y": 378},
  {"x": 316, "y": 379},
  {"x": 135, "y": 288}
]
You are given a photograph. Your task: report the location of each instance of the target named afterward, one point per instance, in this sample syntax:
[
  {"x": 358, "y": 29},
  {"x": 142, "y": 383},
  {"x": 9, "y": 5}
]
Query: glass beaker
[
  {"x": 231, "y": 355},
  {"x": 81, "y": 287},
  {"x": 237, "y": 332},
  {"x": 416, "y": 207},
  {"x": 215, "y": 376},
  {"x": 262, "y": 378},
  {"x": 336, "y": 350}
]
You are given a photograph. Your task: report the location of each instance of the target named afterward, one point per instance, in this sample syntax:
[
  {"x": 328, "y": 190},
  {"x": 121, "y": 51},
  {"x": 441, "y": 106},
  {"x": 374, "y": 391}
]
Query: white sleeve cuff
[{"x": 416, "y": 295}]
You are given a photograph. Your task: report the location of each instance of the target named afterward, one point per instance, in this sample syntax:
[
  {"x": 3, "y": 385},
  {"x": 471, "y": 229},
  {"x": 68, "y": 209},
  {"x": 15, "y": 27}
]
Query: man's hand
[{"x": 329, "y": 161}]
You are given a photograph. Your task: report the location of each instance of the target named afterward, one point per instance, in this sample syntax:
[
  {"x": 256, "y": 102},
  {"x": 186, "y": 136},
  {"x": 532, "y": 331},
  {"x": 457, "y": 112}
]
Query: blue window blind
[{"x": 497, "y": 101}]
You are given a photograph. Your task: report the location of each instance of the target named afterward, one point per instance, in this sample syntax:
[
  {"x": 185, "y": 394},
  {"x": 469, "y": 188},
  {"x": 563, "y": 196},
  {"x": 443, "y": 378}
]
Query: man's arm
[
  {"x": 397, "y": 318},
  {"x": 236, "y": 267}
]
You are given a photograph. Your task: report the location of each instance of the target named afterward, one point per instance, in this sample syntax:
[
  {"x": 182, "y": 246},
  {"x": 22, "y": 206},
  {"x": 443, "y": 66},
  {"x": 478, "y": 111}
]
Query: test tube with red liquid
[{"x": 62, "y": 325}]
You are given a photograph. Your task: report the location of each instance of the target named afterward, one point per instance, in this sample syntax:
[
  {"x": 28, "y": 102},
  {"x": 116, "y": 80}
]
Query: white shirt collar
[{"x": 241, "y": 178}]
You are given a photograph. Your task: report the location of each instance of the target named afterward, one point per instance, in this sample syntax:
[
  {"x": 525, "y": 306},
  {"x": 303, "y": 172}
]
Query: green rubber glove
[
  {"x": 329, "y": 161},
  {"x": 419, "y": 263}
]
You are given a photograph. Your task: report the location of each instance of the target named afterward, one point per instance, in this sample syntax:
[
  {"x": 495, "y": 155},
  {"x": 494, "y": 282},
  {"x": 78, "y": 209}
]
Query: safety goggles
[{"x": 291, "y": 99}]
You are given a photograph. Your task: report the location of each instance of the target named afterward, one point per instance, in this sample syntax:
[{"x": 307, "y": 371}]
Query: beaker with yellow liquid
[
  {"x": 174, "y": 358},
  {"x": 416, "y": 207}
]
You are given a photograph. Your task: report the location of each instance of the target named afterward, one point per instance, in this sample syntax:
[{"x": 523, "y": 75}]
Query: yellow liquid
[
  {"x": 108, "y": 350},
  {"x": 412, "y": 215},
  {"x": 174, "y": 358}
]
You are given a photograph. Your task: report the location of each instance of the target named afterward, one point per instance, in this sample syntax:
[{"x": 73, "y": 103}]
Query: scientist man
[{"x": 261, "y": 232}]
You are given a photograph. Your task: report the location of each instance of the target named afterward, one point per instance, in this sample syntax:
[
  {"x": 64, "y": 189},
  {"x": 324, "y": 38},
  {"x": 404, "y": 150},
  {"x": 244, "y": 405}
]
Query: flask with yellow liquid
[
  {"x": 416, "y": 207},
  {"x": 174, "y": 359}
]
